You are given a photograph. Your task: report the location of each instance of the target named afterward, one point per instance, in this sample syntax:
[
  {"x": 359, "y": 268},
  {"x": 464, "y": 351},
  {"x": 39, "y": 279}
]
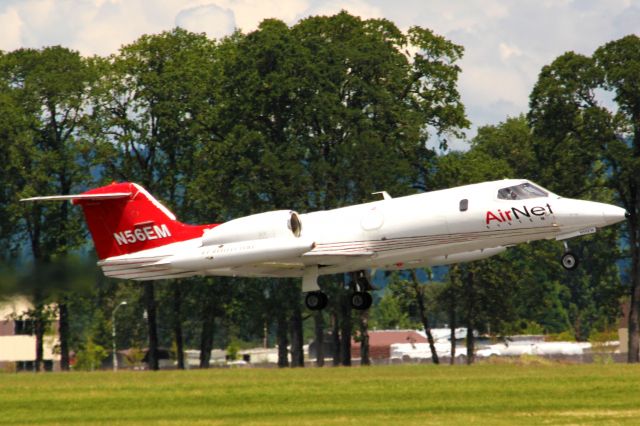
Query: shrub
[{"x": 90, "y": 357}]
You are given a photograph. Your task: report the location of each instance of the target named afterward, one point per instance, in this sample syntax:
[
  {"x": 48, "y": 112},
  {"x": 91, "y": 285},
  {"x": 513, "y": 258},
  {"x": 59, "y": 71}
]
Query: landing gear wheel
[
  {"x": 569, "y": 261},
  {"x": 361, "y": 300},
  {"x": 316, "y": 300}
]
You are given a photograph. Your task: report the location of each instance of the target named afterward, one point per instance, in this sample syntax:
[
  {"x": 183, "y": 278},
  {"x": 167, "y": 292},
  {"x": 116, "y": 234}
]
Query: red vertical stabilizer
[{"x": 124, "y": 218}]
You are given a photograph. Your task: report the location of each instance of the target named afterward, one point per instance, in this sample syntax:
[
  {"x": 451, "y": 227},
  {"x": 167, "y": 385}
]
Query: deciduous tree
[{"x": 47, "y": 93}]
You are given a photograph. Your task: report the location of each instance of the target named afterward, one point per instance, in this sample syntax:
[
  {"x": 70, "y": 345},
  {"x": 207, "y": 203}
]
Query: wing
[{"x": 295, "y": 267}]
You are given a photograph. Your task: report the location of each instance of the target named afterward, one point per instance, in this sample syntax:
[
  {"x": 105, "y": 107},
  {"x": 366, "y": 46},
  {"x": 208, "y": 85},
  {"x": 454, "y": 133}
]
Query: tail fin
[{"x": 124, "y": 218}]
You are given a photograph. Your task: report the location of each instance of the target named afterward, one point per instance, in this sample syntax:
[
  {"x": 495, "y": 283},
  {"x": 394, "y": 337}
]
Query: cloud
[
  {"x": 508, "y": 41},
  {"x": 249, "y": 13},
  {"x": 628, "y": 21},
  {"x": 507, "y": 51},
  {"x": 92, "y": 27},
  {"x": 215, "y": 21},
  {"x": 10, "y": 29}
]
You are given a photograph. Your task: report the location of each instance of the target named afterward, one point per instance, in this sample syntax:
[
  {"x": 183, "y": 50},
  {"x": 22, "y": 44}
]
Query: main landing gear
[
  {"x": 569, "y": 260},
  {"x": 316, "y": 300},
  {"x": 360, "y": 299}
]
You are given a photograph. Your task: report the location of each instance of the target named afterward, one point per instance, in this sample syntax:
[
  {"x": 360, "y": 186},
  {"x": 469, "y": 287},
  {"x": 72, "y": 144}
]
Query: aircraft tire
[
  {"x": 316, "y": 300},
  {"x": 569, "y": 261},
  {"x": 361, "y": 300}
]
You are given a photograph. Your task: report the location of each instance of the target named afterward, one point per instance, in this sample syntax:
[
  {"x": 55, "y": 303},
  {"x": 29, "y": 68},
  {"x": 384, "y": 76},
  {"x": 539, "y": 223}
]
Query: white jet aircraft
[{"x": 138, "y": 238}]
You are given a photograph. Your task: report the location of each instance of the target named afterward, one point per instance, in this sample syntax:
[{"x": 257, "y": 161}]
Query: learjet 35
[{"x": 138, "y": 238}]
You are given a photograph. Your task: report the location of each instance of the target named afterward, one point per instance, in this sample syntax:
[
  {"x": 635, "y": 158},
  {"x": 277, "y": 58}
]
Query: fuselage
[
  {"x": 440, "y": 227},
  {"x": 448, "y": 226}
]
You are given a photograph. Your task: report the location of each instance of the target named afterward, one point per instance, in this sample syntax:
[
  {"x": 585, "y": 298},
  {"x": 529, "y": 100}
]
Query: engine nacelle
[{"x": 276, "y": 224}]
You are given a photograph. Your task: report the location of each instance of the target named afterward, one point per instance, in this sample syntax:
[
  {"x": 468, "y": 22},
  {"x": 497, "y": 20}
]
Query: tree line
[{"x": 312, "y": 116}]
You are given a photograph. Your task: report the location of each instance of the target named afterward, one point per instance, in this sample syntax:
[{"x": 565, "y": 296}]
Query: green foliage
[
  {"x": 599, "y": 337},
  {"x": 523, "y": 326},
  {"x": 310, "y": 107},
  {"x": 510, "y": 142},
  {"x": 603, "y": 346},
  {"x": 541, "y": 291},
  {"x": 91, "y": 356},
  {"x": 565, "y": 336},
  {"x": 134, "y": 357},
  {"x": 390, "y": 313},
  {"x": 47, "y": 153},
  {"x": 596, "y": 153},
  {"x": 233, "y": 349},
  {"x": 310, "y": 116}
]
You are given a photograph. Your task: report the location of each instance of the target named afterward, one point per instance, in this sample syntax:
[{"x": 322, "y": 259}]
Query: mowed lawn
[{"x": 407, "y": 394}]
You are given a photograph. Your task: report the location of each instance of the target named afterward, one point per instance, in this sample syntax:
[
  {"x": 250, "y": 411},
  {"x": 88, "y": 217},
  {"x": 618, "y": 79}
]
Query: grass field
[{"x": 409, "y": 394}]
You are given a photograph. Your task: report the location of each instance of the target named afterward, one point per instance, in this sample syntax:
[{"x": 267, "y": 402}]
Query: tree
[
  {"x": 90, "y": 357},
  {"x": 346, "y": 326},
  {"x": 364, "y": 338},
  {"x": 486, "y": 293},
  {"x": 619, "y": 61},
  {"x": 312, "y": 116},
  {"x": 568, "y": 124},
  {"x": 297, "y": 339},
  {"x": 419, "y": 297},
  {"x": 150, "y": 115},
  {"x": 14, "y": 131},
  {"x": 47, "y": 154},
  {"x": 211, "y": 307},
  {"x": 592, "y": 145},
  {"x": 318, "y": 319},
  {"x": 390, "y": 312},
  {"x": 449, "y": 297},
  {"x": 325, "y": 112},
  {"x": 550, "y": 296}
]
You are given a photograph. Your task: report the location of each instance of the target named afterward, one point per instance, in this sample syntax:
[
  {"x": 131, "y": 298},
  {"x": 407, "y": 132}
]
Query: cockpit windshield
[{"x": 521, "y": 192}]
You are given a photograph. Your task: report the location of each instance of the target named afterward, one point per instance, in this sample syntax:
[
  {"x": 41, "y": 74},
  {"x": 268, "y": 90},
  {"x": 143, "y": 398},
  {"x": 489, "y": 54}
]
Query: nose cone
[
  {"x": 575, "y": 214},
  {"x": 613, "y": 214}
]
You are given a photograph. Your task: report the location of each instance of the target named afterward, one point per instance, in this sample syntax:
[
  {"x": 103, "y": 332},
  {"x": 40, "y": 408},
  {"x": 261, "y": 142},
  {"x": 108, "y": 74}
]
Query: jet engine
[{"x": 275, "y": 224}]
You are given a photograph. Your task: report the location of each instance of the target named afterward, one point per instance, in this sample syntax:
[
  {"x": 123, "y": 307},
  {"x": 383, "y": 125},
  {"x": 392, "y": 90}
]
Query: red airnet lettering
[
  {"x": 146, "y": 233},
  {"x": 516, "y": 213}
]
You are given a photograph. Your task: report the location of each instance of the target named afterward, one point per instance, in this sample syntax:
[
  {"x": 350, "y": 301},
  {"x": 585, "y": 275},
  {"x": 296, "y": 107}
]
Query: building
[
  {"x": 18, "y": 343},
  {"x": 380, "y": 342}
]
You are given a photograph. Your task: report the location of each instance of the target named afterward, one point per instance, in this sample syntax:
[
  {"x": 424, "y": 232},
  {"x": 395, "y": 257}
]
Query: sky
[{"x": 506, "y": 42}]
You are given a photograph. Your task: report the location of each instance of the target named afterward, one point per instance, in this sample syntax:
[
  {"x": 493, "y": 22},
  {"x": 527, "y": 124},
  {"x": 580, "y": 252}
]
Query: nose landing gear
[{"x": 569, "y": 260}]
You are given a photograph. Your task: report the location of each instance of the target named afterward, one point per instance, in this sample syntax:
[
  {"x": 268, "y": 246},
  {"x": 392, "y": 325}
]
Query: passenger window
[{"x": 464, "y": 205}]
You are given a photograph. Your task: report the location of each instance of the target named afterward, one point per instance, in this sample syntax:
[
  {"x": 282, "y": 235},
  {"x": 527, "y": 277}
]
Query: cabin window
[
  {"x": 521, "y": 192},
  {"x": 464, "y": 205}
]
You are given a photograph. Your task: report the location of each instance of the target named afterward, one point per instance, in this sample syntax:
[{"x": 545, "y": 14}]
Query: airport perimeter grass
[{"x": 408, "y": 394}]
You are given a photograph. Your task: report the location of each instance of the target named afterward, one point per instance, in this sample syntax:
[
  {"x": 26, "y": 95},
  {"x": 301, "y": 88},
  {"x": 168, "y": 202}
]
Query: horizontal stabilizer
[{"x": 106, "y": 196}]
